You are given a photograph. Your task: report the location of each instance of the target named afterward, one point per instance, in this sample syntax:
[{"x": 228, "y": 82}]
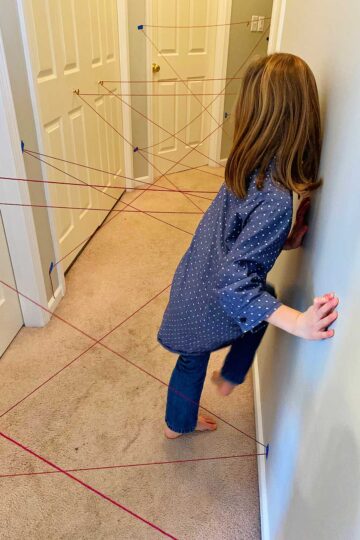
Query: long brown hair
[{"x": 277, "y": 116}]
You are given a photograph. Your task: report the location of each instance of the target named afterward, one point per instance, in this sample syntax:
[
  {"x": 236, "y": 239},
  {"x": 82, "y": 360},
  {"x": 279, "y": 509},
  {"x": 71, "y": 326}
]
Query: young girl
[{"x": 219, "y": 295}]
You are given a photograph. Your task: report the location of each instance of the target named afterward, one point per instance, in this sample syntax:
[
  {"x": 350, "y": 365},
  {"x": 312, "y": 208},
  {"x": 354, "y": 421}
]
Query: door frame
[
  {"x": 220, "y": 69},
  {"x": 124, "y": 56},
  {"x": 148, "y": 18},
  {"x": 18, "y": 222},
  {"x": 277, "y": 25}
]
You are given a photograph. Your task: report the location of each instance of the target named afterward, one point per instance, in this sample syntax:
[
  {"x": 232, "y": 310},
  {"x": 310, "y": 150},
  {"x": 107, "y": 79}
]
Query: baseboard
[
  {"x": 264, "y": 515},
  {"x": 55, "y": 300},
  {"x": 223, "y": 161},
  {"x": 140, "y": 182}
]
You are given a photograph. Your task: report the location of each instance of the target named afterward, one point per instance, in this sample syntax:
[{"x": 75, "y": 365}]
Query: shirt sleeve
[{"x": 242, "y": 277}]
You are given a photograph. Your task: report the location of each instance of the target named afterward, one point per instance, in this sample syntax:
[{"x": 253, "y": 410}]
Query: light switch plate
[
  {"x": 254, "y": 23},
  {"x": 260, "y": 27}
]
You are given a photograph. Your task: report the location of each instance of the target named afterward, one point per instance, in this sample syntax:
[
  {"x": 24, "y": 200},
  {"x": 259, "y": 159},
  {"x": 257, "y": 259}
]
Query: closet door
[
  {"x": 73, "y": 44},
  {"x": 190, "y": 51}
]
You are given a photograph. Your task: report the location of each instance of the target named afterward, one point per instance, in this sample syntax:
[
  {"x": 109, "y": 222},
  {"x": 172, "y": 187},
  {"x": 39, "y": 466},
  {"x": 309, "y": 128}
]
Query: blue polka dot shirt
[{"x": 218, "y": 291}]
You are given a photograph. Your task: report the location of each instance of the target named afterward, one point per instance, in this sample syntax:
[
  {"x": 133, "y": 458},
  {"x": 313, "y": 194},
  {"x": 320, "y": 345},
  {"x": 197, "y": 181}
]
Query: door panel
[
  {"x": 190, "y": 51},
  {"x": 10, "y": 314},
  {"x": 73, "y": 45}
]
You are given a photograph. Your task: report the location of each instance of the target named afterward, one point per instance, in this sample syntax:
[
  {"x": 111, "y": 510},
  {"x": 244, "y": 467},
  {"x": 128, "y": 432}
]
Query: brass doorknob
[{"x": 155, "y": 68}]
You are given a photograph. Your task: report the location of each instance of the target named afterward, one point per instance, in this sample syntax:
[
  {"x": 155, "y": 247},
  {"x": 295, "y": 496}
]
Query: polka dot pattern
[{"x": 218, "y": 291}]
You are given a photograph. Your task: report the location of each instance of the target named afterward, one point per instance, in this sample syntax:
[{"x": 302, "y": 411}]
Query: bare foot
[
  {"x": 204, "y": 423},
  {"x": 224, "y": 387}
]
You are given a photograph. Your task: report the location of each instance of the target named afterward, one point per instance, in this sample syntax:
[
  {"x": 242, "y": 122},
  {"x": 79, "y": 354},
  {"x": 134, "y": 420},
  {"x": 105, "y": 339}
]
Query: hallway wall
[
  {"x": 138, "y": 72},
  {"x": 241, "y": 42},
  {"x": 310, "y": 390}
]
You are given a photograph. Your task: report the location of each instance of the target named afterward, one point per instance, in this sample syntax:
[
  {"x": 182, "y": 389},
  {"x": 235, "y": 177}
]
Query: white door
[
  {"x": 73, "y": 44},
  {"x": 187, "y": 54},
  {"x": 10, "y": 314}
]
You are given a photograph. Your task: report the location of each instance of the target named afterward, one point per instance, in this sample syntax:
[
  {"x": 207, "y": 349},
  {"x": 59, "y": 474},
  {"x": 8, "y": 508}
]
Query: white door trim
[
  {"x": 58, "y": 268},
  {"x": 150, "y": 88},
  {"x": 18, "y": 221},
  {"x": 277, "y": 25},
  {"x": 220, "y": 68},
  {"x": 123, "y": 32}
]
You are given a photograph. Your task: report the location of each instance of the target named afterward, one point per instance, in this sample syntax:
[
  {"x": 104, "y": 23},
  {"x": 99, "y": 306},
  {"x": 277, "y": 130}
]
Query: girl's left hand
[
  {"x": 300, "y": 228},
  {"x": 314, "y": 322}
]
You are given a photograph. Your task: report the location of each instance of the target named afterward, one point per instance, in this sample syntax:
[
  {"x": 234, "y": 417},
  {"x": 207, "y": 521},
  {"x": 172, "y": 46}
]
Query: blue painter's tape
[
  {"x": 267, "y": 451},
  {"x": 51, "y": 267},
  {"x": 140, "y": 27},
  {"x": 136, "y": 148},
  {"x": 22, "y": 146}
]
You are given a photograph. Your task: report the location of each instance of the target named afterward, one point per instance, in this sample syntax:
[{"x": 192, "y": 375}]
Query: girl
[{"x": 219, "y": 295}]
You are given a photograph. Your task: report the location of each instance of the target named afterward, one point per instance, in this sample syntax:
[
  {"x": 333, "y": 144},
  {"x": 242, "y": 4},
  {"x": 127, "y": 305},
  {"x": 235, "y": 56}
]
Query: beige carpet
[{"x": 102, "y": 412}]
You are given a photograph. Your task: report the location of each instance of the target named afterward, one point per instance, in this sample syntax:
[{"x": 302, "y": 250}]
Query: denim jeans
[{"x": 187, "y": 379}]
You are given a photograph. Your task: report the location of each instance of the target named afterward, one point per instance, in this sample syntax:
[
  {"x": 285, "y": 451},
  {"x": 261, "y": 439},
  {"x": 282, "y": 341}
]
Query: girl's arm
[
  {"x": 313, "y": 323},
  {"x": 240, "y": 283}
]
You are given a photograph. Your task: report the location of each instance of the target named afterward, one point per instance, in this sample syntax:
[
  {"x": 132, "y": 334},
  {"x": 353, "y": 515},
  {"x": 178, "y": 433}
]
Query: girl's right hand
[{"x": 314, "y": 322}]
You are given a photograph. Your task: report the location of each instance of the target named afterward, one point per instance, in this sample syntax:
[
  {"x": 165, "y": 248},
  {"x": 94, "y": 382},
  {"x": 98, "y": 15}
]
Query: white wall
[
  {"x": 138, "y": 72},
  {"x": 311, "y": 390}
]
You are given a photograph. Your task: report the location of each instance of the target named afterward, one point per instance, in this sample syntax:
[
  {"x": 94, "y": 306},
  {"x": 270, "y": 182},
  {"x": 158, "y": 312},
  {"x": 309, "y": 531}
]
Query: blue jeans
[{"x": 187, "y": 379}]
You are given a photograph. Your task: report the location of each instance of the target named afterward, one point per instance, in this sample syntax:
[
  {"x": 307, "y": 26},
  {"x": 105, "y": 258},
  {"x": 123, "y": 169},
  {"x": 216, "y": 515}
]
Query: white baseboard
[
  {"x": 139, "y": 182},
  {"x": 223, "y": 161},
  {"x": 55, "y": 300},
  {"x": 51, "y": 305},
  {"x": 264, "y": 514}
]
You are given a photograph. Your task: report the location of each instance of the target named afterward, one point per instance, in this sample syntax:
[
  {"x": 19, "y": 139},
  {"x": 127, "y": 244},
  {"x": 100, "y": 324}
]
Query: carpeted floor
[{"x": 102, "y": 411}]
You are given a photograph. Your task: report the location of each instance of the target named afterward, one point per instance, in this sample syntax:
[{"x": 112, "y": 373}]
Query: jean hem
[
  {"x": 227, "y": 379},
  {"x": 182, "y": 431}
]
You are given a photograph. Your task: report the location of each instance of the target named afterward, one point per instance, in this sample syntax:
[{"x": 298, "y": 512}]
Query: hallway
[{"x": 102, "y": 412}]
